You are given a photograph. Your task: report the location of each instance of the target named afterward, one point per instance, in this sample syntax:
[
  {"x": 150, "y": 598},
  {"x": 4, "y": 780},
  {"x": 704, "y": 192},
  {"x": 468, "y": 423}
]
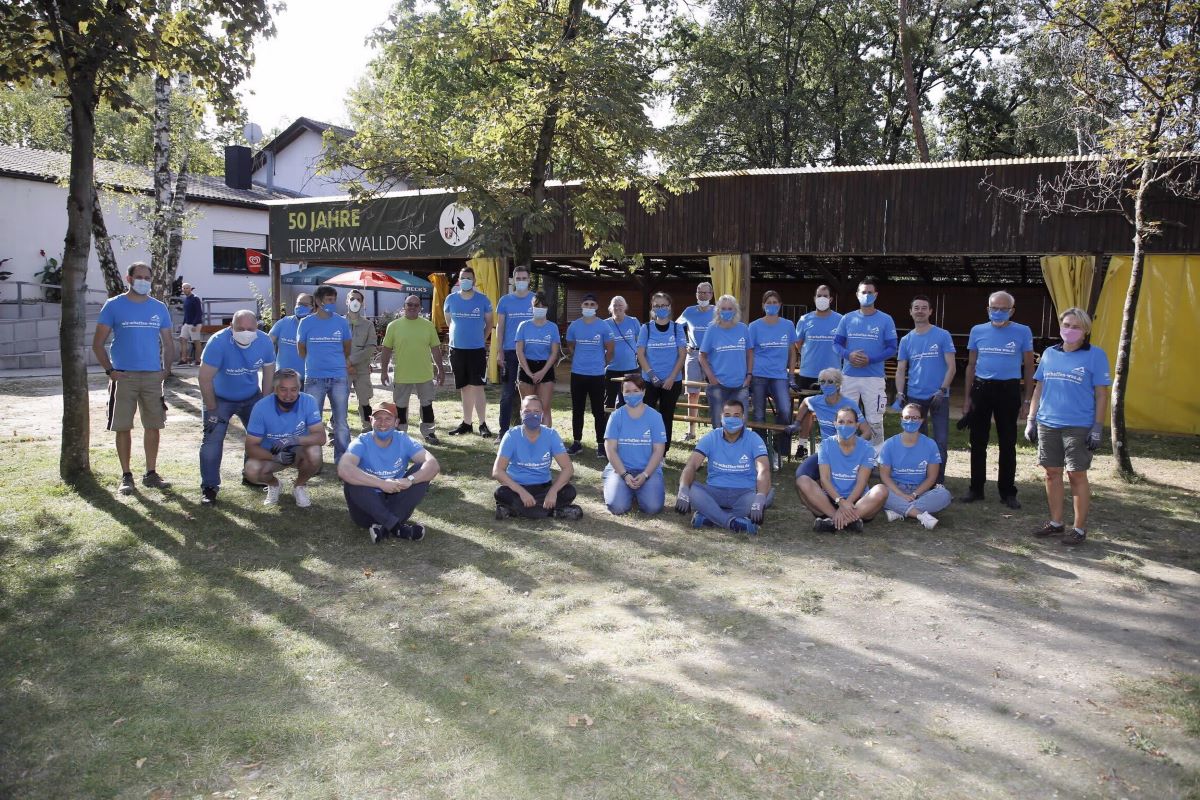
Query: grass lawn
[{"x": 155, "y": 648}]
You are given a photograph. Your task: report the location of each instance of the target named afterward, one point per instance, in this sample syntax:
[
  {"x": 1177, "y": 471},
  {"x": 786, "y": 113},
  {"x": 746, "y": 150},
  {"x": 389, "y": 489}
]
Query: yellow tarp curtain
[
  {"x": 1069, "y": 280},
  {"x": 441, "y": 290},
  {"x": 1163, "y": 391},
  {"x": 487, "y": 281},
  {"x": 726, "y": 270}
]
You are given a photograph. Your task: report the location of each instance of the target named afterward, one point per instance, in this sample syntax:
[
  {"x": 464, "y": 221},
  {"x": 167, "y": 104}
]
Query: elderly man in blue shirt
[{"x": 285, "y": 430}]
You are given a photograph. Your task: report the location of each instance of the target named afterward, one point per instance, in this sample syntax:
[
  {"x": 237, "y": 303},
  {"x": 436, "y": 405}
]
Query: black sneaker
[
  {"x": 412, "y": 531},
  {"x": 154, "y": 481},
  {"x": 1049, "y": 529},
  {"x": 575, "y": 448},
  {"x": 432, "y": 439},
  {"x": 1074, "y": 536},
  {"x": 503, "y": 512},
  {"x": 1011, "y": 501},
  {"x": 126, "y": 484},
  {"x": 377, "y": 533},
  {"x": 801, "y": 453},
  {"x": 824, "y": 525},
  {"x": 970, "y": 497},
  {"x": 855, "y": 527},
  {"x": 601, "y": 454},
  {"x": 568, "y": 512},
  {"x": 485, "y": 431},
  {"x": 208, "y": 495},
  {"x": 461, "y": 429}
]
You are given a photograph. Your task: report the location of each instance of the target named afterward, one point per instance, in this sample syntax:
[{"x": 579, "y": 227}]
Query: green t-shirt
[{"x": 410, "y": 340}]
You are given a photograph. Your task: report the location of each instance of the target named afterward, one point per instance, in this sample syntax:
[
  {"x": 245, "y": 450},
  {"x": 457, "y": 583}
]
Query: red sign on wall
[{"x": 254, "y": 261}]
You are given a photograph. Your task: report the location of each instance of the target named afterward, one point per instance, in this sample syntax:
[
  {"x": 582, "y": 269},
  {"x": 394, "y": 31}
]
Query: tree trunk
[
  {"x": 159, "y": 229},
  {"x": 1120, "y": 439},
  {"x": 114, "y": 283},
  {"x": 74, "y": 462},
  {"x": 910, "y": 84},
  {"x": 175, "y": 223}
]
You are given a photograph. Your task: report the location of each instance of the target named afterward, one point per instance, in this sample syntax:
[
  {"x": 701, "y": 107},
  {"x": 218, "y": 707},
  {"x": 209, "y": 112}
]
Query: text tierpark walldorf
[{"x": 412, "y": 226}]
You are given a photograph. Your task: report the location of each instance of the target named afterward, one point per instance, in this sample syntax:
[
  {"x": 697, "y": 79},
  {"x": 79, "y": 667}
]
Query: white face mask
[
  {"x": 822, "y": 303},
  {"x": 141, "y": 286},
  {"x": 539, "y": 313},
  {"x": 353, "y": 305},
  {"x": 522, "y": 285},
  {"x": 245, "y": 338},
  {"x": 703, "y": 303}
]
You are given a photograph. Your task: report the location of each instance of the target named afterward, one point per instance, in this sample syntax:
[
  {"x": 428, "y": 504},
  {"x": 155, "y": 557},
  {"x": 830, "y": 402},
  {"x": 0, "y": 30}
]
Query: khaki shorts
[
  {"x": 137, "y": 391},
  {"x": 363, "y": 390},
  {"x": 1064, "y": 447},
  {"x": 425, "y": 392},
  {"x": 190, "y": 332},
  {"x": 692, "y": 371}
]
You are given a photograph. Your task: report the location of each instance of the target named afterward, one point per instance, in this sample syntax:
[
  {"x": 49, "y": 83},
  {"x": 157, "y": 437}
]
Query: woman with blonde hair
[{"x": 726, "y": 359}]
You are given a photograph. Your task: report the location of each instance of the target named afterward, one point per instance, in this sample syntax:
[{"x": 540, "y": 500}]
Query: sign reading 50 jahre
[{"x": 420, "y": 226}]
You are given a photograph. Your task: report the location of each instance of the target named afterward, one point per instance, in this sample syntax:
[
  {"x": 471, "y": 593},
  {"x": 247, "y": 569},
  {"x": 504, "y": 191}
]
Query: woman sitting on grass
[
  {"x": 823, "y": 410},
  {"x": 908, "y": 466},
  {"x": 840, "y": 499}
]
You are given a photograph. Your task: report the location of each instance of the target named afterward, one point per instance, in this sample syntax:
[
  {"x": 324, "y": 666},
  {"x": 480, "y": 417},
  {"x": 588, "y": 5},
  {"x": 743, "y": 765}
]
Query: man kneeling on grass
[
  {"x": 840, "y": 499},
  {"x": 385, "y": 475},
  {"x": 285, "y": 430},
  {"x": 522, "y": 469},
  {"x": 738, "y": 490}
]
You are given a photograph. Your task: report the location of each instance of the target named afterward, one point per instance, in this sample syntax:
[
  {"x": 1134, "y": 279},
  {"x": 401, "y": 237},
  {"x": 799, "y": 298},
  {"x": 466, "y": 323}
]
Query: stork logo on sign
[{"x": 456, "y": 224}]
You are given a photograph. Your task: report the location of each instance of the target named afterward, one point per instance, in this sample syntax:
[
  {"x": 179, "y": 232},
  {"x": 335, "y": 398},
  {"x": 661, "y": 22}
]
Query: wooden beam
[
  {"x": 921, "y": 269},
  {"x": 970, "y": 270},
  {"x": 833, "y": 280},
  {"x": 1099, "y": 272},
  {"x": 1024, "y": 269}
]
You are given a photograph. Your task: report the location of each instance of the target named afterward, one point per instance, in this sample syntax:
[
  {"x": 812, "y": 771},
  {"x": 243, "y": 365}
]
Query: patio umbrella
[{"x": 368, "y": 279}]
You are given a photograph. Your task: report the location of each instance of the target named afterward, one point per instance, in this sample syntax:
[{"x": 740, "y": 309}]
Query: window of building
[{"x": 240, "y": 253}]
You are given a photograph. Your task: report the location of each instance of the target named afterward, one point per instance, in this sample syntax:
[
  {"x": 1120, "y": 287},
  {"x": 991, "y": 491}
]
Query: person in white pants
[{"x": 865, "y": 339}]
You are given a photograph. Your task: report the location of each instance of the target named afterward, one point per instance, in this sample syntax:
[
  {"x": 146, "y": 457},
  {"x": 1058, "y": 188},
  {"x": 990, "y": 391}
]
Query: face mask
[
  {"x": 385, "y": 435},
  {"x": 245, "y": 338},
  {"x": 466, "y": 284},
  {"x": 354, "y": 306},
  {"x": 634, "y": 400},
  {"x": 910, "y": 425},
  {"x": 285, "y": 406},
  {"x": 866, "y": 298},
  {"x": 532, "y": 420},
  {"x": 829, "y": 390},
  {"x": 662, "y": 313},
  {"x": 999, "y": 316},
  {"x": 329, "y": 308},
  {"x": 846, "y": 432},
  {"x": 727, "y": 316},
  {"x": 589, "y": 312},
  {"x": 771, "y": 310},
  {"x": 703, "y": 303},
  {"x": 540, "y": 313},
  {"x": 1070, "y": 335},
  {"x": 521, "y": 285},
  {"x": 302, "y": 311},
  {"x": 141, "y": 286},
  {"x": 822, "y": 303},
  {"x": 732, "y": 424}
]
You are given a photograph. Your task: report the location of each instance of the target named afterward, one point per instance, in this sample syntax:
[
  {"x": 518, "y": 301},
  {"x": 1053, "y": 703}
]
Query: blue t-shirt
[
  {"x": 874, "y": 334},
  {"x": 662, "y": 347},
  {"x": 136, "y": 341},
  {"x": 625, "y": 339},
  {"x": 193, "y": 311},
  {"x": 771, "y": 345},
  {"x": 1001, "y": 350},
  {"x": 284, "y": 333},
  {"x": 926, "y": 357},
  {"x": 237, "y": 367},
  {"x": 385, "y": 463},
  {"x": 515, "y": 310},
  {"x": 467, "y": 318},
  {"x": 816, "y": 334},
  {"x": 529, "y": 462},
  {"x": 697, "y": 321},
  {"x": 270, "y": 424},
  {"x": 537, "y": 339},
  {"x": 726, "y": 352},
  {"x": 843, "y": 469},
  {"x": 322, "y": 338},
  {"x": 1068, "y": 382},
  {"x": 731, "y": 465},
  {"x": 826, "y": 414},
  {"x": 588, "y": 356},
  {"x": 636, "y": 437},
  {"x": 910, "y": 465}
]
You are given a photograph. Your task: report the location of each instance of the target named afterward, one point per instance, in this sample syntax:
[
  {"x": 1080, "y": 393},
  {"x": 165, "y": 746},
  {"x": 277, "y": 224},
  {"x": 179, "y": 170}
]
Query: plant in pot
[{"x": 51, "y": 278}]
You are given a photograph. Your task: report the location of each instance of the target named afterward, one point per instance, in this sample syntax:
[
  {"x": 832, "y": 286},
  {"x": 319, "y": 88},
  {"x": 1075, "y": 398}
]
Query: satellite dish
[{"x": 253, "y": 133}]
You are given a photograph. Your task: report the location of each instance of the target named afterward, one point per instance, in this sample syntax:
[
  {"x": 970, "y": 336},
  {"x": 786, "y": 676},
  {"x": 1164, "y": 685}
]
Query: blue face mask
[
  {"x": 829, "y": 390},
  {"x": 141, "y": 286},
  {"x": 662, "y": 313},
  {"x": 532, "y": 420},
  {"x": 329, "y": 308},
  {"x": 771, "y": 310},
  {"x": 910, "y": 425},
  {"x": 999, "y": 316},
  {"x": 302, "y": 311},
  {"x": 866, "y": 298},
  {"x": 521, "y": 285},
  {"x": 732, "y": 424},
  {"x": 634, "y": 400},
  {"x": 846, "y": 432},
  {"x": 465, "y": 284},
  {"x": 385, "y": 436},
  {"x": 727, "y": 316},
  {"x": 589, "y": 312}
]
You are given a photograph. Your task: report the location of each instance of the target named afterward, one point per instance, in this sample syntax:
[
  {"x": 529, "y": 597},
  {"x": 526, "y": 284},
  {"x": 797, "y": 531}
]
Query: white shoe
[
  {"x": 304, "y": 501},
  {"x": 928, "y": 520},
  {"x": 892, "y": 516},
  {"x": 273, "y": 492}
]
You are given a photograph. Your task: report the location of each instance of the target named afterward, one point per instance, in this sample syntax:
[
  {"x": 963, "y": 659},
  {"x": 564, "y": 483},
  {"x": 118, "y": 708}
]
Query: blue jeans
[
  {"x": 940, "y": 422},
  {"x": 932, "y": 501},
  {"x": 212, "y": 447},
  {"x": 619, "y": 497},
  {"x": 508, "y": 390},
  {"x": 720, "y": 506},
  {"x": 718, "y": 396},
  {"x": 781, "y": 394},
  {"x": 338, "y": 392}
]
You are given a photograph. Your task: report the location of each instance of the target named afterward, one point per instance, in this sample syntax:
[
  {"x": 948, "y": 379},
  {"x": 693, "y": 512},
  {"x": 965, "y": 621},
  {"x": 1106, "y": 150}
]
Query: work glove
[
  {"x": 1031, "y": 431},
  {"x": 1093, "y": 437},
  {"x": 683, "y": 500},
  {"x": 795, "y": 385},
  {"x": 286, "y": 457},
  {"x": 283, "y": 444},
  {"x": 898, "y": 404},
  {"x": 210, "y": 423},
  {"x": 656, "y": 381},
  {"x": 757, "y": 508}
]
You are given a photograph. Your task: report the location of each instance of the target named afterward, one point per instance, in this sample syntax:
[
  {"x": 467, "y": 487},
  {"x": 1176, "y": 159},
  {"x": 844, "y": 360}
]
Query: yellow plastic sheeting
[
  {"x": 1163, "y": 390},
  {"x": 1069, "y": 280},
  {"x": 441, "y": 290},
  {"x": 727, "y": 276},
  {"x": 487, "y": 281}
]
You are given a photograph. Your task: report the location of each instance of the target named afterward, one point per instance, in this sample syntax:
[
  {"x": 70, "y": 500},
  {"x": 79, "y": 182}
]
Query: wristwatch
[{"x": 837, "y": 501}]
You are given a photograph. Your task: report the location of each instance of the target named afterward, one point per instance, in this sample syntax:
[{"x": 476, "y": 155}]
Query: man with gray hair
[
  {"x": 285, "y": 430},
  {"x": 999, "y": 385},
  {"x": 230, "y": 385},
  {"x": 191, "y": 331},
  {"x": 695, "y": 320}
]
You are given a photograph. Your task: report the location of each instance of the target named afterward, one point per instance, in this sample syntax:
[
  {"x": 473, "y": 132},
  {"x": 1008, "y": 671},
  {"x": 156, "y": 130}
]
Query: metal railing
[{"x": 37, "y": 294}]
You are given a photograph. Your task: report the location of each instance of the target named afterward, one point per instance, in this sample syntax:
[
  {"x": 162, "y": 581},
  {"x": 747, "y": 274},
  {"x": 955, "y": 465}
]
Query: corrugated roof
[{"x": 44, "y": 165}]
